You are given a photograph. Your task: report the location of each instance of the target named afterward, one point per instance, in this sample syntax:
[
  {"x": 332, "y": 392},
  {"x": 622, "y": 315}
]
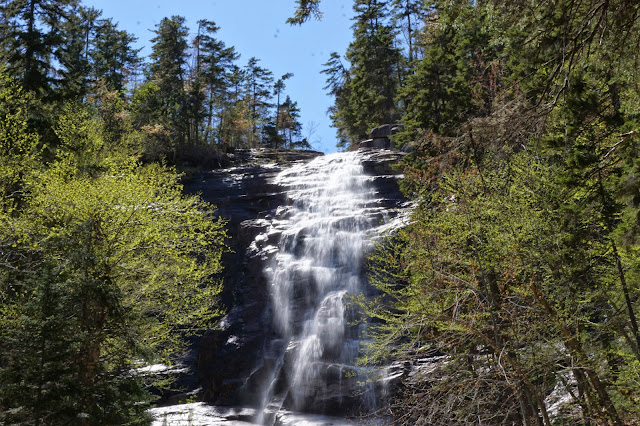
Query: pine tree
[
  {"x": 366, "y": 98},
  {"x": 278, "y": 89},
  {"x": 112, "y": 56},
  {"x": 168, "y": 72},
  {"x": 337, "y": 79},
  {"x": 235, "y": 129},
  {"x": 34, "y": 41},
  {"x": 258, "y": 83},
  {"x": 408, "y": 16},
  {"x": 290, "y": 125},
  {"x": 213, "y": 62},
  {"x": 74, "y": 54},
  {"x": 452, "y": 80}
]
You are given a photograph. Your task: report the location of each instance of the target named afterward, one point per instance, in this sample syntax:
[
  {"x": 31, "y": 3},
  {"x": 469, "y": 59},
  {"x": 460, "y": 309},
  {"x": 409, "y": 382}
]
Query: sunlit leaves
[{"x": 104, "y": 264}]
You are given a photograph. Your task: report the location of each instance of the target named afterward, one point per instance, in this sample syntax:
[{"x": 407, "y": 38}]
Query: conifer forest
[{"x": 517, "y": 273}]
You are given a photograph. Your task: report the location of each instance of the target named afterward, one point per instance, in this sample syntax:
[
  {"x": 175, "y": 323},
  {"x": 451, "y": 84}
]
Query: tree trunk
[
  {"x": 29, "y": 59},
  {"x": 94, "y": 315}
]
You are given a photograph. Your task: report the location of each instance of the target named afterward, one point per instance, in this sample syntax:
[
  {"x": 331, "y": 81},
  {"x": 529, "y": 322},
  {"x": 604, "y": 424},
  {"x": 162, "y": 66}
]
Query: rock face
[
  {"x": 379, "y": 137},
  {"x": 254, "y": 357}
]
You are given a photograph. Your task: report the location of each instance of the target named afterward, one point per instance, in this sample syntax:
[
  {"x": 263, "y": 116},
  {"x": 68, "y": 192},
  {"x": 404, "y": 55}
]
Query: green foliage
[
  {"x": 18, "y": 146},
  {"x": 104, "y": 266},
  {"x": 504, "y": 271},
  {"x": 365, "y": 92},
  {"x": 304, "y": 9},
  {"x": 129, "y": 231}
]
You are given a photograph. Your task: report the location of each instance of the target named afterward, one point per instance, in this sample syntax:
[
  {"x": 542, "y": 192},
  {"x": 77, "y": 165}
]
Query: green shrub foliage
[{"x": 105, "y": 266}]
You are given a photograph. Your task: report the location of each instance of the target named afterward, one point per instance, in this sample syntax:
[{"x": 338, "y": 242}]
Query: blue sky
[{"x": 257, "y": 28}]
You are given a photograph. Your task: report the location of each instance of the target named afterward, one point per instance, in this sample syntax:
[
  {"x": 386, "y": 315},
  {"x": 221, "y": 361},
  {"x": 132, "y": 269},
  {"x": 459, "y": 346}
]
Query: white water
[
  {"x": 317, "y": 242},
  {"x": 325, "y": 230}
]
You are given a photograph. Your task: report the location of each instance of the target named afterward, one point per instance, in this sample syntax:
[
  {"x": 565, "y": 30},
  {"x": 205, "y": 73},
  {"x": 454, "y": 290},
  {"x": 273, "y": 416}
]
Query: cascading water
[
  {"x": 284, "y": 352},
  {"x": 324, "y": 230}
]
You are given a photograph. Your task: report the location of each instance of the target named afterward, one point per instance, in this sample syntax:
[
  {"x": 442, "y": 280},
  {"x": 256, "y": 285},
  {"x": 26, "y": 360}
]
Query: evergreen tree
[
  {"x": 408, "y": 16},
  {"x": 74, "y": 54},
  {"x": 213, "y": 62},
  {"x": 168, "y": 72},
  {"x": 34, "y": 41},
  {"x": 278, "y": 88},
  {"x": 235, "y": 126},
  {"x": 337, "y": 79},
  {"x": 367, "y": 98},
  {"x": 258, "y": 85},
  {"x": 112, "y": 56},
  {"x": 290, "y": 125},
  {"x": 458, "y": 76}
]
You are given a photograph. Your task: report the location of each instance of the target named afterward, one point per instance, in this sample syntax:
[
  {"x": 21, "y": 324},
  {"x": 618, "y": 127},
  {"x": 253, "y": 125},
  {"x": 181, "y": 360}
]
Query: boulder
[
  {"x": 382, "y": 131},
  {"x": 379, "y": 137},
  {"x": 382, "y": 163},
  {"x": 366, "y": 144}
]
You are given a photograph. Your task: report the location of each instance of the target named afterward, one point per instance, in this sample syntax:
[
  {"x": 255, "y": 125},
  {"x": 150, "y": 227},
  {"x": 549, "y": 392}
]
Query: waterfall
[
  {"x": 320, "y": 236},
  {"x": 284, "y": 353}
]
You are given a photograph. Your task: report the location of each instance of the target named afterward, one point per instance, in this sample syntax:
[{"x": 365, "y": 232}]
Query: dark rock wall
[{"x": 231, "y": 356}]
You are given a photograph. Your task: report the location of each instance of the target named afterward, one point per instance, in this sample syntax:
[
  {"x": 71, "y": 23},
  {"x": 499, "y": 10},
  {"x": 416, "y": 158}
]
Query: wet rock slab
[{"x": 240, "y": 352}]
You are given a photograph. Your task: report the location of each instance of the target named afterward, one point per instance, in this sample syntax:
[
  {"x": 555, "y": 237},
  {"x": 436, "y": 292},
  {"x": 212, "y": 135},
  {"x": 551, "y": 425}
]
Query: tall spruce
[
  {"x": 34, "y": 40},
  {"x": 235, "y": 129},
  {"x": 337, "y": 85},
  {"x": 113, "y": 56},
  {"x": 168, "y": 72},
  {"x": 408, "y": 17},
  {"x": 259, "y": 86},
  {"x": 367, "y": 98},
  {"x": 290, "y": 126},
  {"x": 76, "y": 66},
  {"x": 213, "y": 62},
  {"x": 278, "y": 89}
]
